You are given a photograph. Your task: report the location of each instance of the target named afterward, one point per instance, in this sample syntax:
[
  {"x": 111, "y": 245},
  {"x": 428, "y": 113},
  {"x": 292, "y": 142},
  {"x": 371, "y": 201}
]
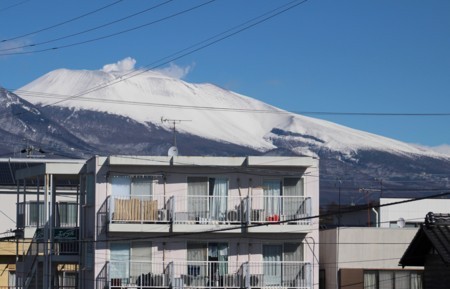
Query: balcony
[
  {"x": 159, "y": 213},
  {"x": 138, "y": 213},
  {"x": 287, "y": 212},
  {"x": 205, "y": 274}
]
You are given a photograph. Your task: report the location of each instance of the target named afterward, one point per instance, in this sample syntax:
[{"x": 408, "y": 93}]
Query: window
[
  {"x": 126, "y": 186},
  {"x": 36, "y": 215},
  {"x": 67, "y": 214},
  {"x": 393, "y": 279},
  {"x": 129, "y": 261},
  {"x": 207, "y": 263},
  {"x": 131, "y": 199},
  {"x": 207, "y": 198},
  {"x": 68, "y": 280},
  {"x": 283, "y": 199},
  {"x": 281, "y": 265},
  {"x": 12, "y": 279}
]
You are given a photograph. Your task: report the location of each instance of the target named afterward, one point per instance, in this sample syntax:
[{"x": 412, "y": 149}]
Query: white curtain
[
  {"x": 197, "y": 252},
  {"x": 218, "y": 200},
  {"x": 219, "y": 251},
  {"x": 197, "y": 197},
  {"x": 142, "y": 187},
  {"x": 67, "y": 214},
  {"x": 37, "y": 214},
  {"x": 120, "y": 260},
  {"x": 370, "y": 280},
  {"x": 272, "y": 265},
  {"x": 12, "y": 279},
  {"x": 141, "y": 257},
  {"x": 293, "y": 274},
  {"x": 402, "y": 280},
  {"x": 272, "y": 193},
  {"x": 120, "y": 187},
  {"x": 416, "y": 280},
  {"x": 386, "y": 280},
  {"x": 293, "y": 204}
]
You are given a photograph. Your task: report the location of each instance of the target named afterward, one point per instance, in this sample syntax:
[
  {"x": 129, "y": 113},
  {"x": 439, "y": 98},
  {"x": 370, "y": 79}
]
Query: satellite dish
[
  {"x": 401, "y": 223},
  {"x": 173, "y": 151}
]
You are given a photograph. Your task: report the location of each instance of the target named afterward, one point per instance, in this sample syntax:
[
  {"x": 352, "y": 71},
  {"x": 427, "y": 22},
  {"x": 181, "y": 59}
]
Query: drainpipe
[{"x": 377, "y": 224}]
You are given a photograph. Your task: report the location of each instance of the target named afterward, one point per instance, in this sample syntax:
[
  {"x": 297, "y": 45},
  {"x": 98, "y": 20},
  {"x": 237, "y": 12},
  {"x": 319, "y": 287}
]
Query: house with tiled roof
[{"x": 431, "y": 248}]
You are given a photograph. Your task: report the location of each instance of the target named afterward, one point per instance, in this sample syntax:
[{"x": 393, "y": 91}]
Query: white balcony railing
[
  {"x": 140, "y": 274},
  {"x": 287, "y": 209},
  {"x": 210, "y": 209},
  {"x": 205, "y": 274},
  {"x": 279, "y": 274},
  {"x": 139, "y": 209}
]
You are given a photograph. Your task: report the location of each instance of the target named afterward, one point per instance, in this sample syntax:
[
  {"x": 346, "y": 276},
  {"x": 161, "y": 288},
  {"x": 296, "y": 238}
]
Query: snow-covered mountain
[
  {"x": 23, "y": 126},
  {"x": 119, "y": 112},
  {"x": 208, "y": 111}
]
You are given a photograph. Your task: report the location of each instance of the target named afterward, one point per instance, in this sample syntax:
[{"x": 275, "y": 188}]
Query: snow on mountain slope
[{"x": 209, "y": 111}]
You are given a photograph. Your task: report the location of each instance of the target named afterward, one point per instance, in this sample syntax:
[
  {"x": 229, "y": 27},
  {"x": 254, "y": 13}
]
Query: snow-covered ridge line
[{"x": 231, "y": 126}]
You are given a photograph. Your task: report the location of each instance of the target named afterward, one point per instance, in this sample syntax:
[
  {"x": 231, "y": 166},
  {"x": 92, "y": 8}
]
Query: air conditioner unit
[{"x": 162, "y": 215}]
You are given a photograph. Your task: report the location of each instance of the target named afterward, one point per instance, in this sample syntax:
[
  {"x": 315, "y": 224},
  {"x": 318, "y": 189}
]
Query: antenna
[
  {"x": 173, "y": 151},
  {"x": 29, "y": 149}
]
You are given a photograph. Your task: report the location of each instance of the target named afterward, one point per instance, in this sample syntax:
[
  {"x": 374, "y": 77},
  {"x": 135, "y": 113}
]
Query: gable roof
[{"x": 435, "y": 233}]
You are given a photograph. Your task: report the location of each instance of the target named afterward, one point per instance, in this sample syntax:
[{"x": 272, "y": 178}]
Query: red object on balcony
[{"x": 273, "y": 218}]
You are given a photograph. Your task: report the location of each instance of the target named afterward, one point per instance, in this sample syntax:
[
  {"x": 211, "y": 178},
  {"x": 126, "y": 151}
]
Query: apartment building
[
  {"x": 199, "y": 222},
  {"x": 47, "y": 245}
]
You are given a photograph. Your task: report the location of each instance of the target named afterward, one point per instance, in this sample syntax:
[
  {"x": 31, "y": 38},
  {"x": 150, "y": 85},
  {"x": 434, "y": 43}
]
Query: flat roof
[
  {"x": 9, "y": 166},
  {"x": 250, "y": 161},
  {"x": 61, "y": 168}
]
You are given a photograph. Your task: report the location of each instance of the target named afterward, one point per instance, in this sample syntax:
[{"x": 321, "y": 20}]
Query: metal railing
[
  {"x": 27, "y": 267},
  {"x": 138, "y": 209},
  {"x": 139, "y": 274},
  {"x": 279, "y": 274},
  {"x": 103, "y": 217},
  {"x": 288, "y": 209},
  {"x": 102, "y": 281},
  {"x": 205, "y": 274},
  {"x": 209, "y": 209}
]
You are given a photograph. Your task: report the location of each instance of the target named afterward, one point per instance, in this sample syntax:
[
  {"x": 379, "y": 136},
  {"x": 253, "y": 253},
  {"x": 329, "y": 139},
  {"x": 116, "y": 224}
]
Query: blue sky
[{"x": 379, "y": 56}]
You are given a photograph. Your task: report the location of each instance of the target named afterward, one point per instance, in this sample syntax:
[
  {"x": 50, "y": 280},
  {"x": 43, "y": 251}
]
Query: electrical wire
[
  {"x": 112, "y": 34},
  {"x": 88, "y": 30},
  {"x": 193, "y": 48},
  {"x": 13, "y": 5},
  {"x": 247, "y": 226},
  {"x": 231, "y": 109},
  {"x": 62, "y": 23}
]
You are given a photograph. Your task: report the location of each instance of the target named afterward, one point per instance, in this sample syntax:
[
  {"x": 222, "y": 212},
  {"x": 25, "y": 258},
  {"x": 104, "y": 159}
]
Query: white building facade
[
  {"x": 367, "y": 257},
  {"x": 199, "y": 222},
  {"x": 409, "y": 214}
]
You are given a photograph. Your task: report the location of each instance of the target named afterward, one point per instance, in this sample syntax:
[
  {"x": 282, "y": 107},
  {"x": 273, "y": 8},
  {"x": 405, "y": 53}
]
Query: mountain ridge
[{"x": 149, "y": 96}]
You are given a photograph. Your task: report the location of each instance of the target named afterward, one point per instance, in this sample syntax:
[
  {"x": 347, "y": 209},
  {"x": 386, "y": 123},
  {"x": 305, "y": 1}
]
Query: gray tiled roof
[{"x": 434, "y": 233}]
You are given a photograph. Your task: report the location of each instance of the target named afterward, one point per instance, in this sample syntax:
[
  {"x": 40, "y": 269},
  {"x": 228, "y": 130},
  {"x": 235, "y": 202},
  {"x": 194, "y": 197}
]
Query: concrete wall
[
  {"x": 411, "y": 212},
  {"x": 8, "y": 212},
  {"x": 362, "y": 248}
]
